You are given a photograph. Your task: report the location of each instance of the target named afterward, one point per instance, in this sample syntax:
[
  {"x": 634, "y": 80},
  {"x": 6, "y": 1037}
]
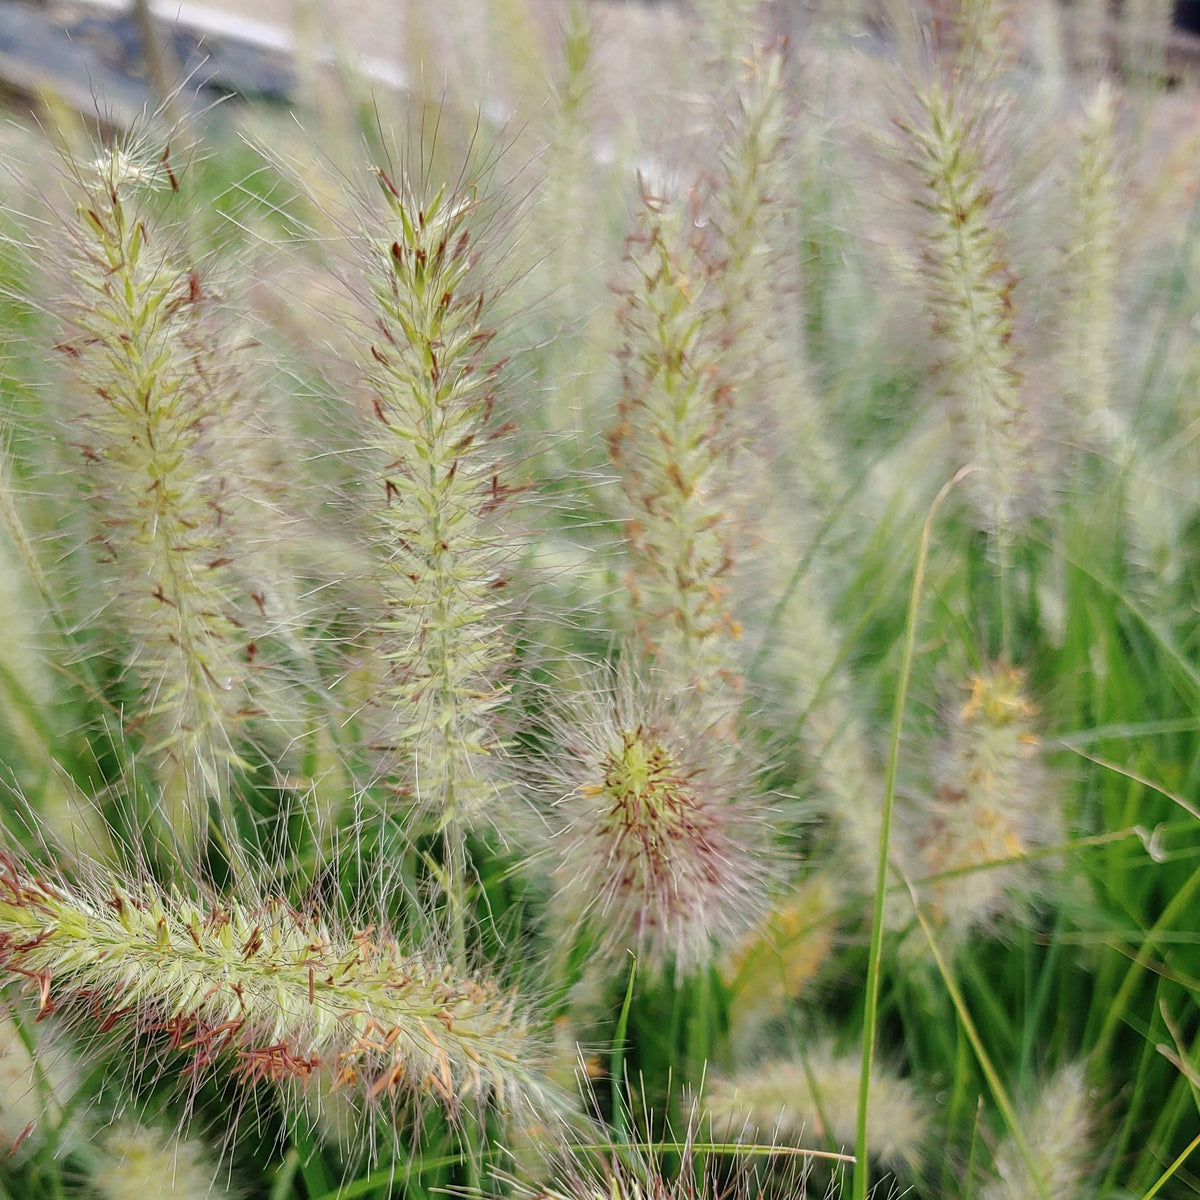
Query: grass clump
[{"x": 461, "y": 612}]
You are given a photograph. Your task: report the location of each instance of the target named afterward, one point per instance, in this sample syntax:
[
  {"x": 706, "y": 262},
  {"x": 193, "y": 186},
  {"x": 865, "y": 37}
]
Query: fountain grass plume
[
  {"x": 1089, "y": 330},
  {"x": 441, "y": 485},
  {"x": 812, "y": 1100},
  {"x": 757, "y": 285},
  {"x": 38, "y": 1079},
  {"x": 980, "y": 35},
  {"x": 672, "y": 445},
  {"x": 752, "y": 183},
  {"x": 137, "y": 1161},
  {"x": 662, "y": 836},
  {"x": 1060, "y": 1135},
  {"x": 779, "y": 960},
  {"x": 993, "y": 803},
  {"x": 667, "y": 1167},
  {"x": 266, "y": 992},
  {"x": 153, "y": 384},
  {"x": 969, "y": 298}
]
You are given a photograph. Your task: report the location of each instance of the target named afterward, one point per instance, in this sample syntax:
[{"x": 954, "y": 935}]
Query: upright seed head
[
  {"x": 976, "y": 34},
  {"x": 969, "y": 291},
  {"x": 993, "y": 803},
  {"x": 1058, "y": 1130},
  {"x": 154, "y": 388},
  {"x": 441, "y": 486},
  {"x": 137, "y": 1161},
  {"x": 813, "y": 1101},
  {"x": 672, "y": 446},
  {"x": 35, "y": 1088},
  {"x": 1089, "y": 328}
]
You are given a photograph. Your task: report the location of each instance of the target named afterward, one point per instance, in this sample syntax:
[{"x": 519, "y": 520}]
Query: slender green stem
[
  {"x": 1166, "y": 1175},
  {"x": 871, "y": 1007},
  {"x": 617, "y": 1062},
  {"x": 1117, "y": 1008},
  {"x": 982, "y": 1057}
]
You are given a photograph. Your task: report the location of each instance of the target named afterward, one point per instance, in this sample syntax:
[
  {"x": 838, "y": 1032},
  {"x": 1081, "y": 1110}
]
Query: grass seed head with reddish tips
[
  {"x": 443, "y": 476},
  {"x": 268, "y": 993},
  {"x": 661, "y": 849},
  {"x": 156, "y": 384}
]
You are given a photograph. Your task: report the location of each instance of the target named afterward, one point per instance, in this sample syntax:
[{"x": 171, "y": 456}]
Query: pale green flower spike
[
  {"x": 442, "y": 484},
  {"x": 268, "y": 992},
  {"x": 673, "y": 443},
  {"x": 813, "y": 1102},
  {"x": 37, "y": 1080},
  {"x": 1090, "y": 318},
  {"x": 969, "y": 300},
  {"x": 992, "y": 804},
  {"x": 154, "y": 386},
  {"x": 1059, "y": 1131},
  {"x": 139, "y": 1161}
]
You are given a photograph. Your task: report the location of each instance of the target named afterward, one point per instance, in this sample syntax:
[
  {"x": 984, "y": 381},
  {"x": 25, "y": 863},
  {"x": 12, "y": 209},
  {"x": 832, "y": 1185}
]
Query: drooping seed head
[{"x": 266, "y": 992}]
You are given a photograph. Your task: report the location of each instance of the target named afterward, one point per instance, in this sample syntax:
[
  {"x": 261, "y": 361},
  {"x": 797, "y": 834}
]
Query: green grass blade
[
  {"x": 871, "y": 1008},
  {"x": 999, "y": 1094}
]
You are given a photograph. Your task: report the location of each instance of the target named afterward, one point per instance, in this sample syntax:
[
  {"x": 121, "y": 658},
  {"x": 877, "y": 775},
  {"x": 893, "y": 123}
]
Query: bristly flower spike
[
  {"x": 442, "y": 484},
  {"x": 1059, "y": 1134},
  {"x": 993, "y": 804},
  {"x": 155, "y": 388},
  {"x": 969, "y": 290},
  {"x": 813, "y": 1101},
  {"x": 137, "y": 1161},
  {"x": 268, "y": 992},
  {"x": 662, "y": 840},
  {"x": 672, "y": 445},
  {"x": 1090, "y": 321}
]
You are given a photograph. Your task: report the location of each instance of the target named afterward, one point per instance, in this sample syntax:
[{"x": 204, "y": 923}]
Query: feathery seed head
[
  {"x": 976, "y": 36},
  {"x": 153, "y": 389},
  {"x": 273, "y": 993},
  {"x": 34, "y": 1088},
  {"x": 1058, "y": 1129},
  {"x": 661, "y": 845},
  {"x": 637, "y": 1172},
  {"x": 440, "y": 549},
  {"x": 969, "y": 290},
  {"x": 139, "y": 1161},
  {"x": 993, "y": 802},
  {"x": 673, "y": 444},
  {"x": 779, "y": 959},
  {"x": 1089, "y": 328},
  {"x": 123, "y": 170},
  {"x": 814, "y": 1102}
]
